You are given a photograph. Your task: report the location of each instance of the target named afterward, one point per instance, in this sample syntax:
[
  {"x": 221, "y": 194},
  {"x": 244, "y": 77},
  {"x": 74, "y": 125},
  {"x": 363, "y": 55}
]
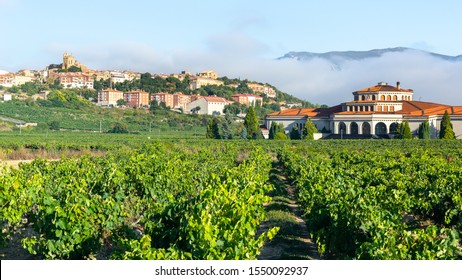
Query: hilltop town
[{"x": 204, "y": 93}]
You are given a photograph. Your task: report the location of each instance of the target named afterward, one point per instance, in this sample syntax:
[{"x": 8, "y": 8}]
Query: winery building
[{"x": 375, "y": 111}]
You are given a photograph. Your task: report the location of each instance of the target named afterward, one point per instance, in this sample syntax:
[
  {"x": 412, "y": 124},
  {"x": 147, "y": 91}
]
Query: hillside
[{"x": 70, "y": 109}]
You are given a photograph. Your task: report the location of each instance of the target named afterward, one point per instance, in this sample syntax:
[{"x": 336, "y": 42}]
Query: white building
[
  {"x": 376, "y": 110},
  {"x": 8, "y": 79},
  {"x": 209, "y": 105},
  {"x": 7, "y": 97}
]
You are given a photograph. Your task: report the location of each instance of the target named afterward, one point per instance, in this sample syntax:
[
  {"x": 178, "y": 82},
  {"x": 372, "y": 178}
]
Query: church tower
[{"x": 68, "y": 61}]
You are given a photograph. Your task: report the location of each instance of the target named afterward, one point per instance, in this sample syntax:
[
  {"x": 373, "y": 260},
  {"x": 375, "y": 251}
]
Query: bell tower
[{"x": 68, "y": 61}]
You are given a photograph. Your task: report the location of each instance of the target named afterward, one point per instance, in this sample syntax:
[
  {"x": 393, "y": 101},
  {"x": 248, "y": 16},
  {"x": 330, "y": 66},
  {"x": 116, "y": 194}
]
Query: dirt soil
[{"x": 293, "y": 240}]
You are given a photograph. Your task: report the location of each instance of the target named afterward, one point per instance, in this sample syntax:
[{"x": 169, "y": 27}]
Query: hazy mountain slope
[{"x": 339, "y": 57}]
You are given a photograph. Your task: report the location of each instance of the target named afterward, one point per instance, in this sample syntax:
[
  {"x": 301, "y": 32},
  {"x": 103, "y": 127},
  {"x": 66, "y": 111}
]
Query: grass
[{"x": 92, "y": 118}]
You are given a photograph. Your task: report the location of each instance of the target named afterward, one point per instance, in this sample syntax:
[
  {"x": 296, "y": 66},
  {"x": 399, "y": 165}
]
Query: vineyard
[
  {"x": 381, "y": 202},
  {"x": 158, "y": 202},
  {"x": 206, "y": 199}
]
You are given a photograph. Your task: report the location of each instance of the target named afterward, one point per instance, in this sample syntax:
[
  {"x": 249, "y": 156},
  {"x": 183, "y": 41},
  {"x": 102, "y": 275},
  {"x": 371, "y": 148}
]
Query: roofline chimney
[{"x": 398, "y": 85}]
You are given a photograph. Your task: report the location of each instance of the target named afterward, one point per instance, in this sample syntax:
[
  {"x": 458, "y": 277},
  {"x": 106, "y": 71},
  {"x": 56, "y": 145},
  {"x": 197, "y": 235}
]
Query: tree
[
  {"x": 274, "y": 129},
  {"x": 446, "y": 129},
  {"x": 404, "y": 131},
  {"x": 196, "y": 110},
  {"x": 74, "y": 68},
  {"x": 13, "y": 89},
  {"x": 226, "y": 127},
  {"x": 54, "y": 125},
  {"x": 251, "y": 123},
  {"x": 213, "y": 131},
  {"x": 424, "y": 130},
  {"x": 118, "y": 128},
  {"x": 309, "y": 130},
  {"x": 121, "y": 102},
  {"x": 244, "y": 133},
  {"x": 294, "y": 133},
  {"x": 235, "y": 108},
  {"x": 280, "y": 136}
]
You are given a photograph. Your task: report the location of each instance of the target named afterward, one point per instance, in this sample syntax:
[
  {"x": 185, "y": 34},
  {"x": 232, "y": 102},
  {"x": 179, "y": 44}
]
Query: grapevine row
[
  {"x": 158, "y": 202},
  {"x": 380, "y": 204}
]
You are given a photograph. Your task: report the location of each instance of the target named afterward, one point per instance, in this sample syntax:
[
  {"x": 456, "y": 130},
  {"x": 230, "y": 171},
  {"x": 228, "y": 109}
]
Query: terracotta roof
[
  {"x": 309, "y": 112},
  {"x": 418, "y": 108},
  {"x": 410, "y": 108},
  {"x": 384, "y": 87}
]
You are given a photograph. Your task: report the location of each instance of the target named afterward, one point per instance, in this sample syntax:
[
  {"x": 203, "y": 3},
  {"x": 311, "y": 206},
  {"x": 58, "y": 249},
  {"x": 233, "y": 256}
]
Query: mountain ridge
[{"x": 337, "y": 57}]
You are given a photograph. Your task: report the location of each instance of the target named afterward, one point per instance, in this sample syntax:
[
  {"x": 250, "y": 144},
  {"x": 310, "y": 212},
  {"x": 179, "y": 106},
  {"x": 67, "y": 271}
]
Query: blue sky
[{"x": 171, "y": 36}]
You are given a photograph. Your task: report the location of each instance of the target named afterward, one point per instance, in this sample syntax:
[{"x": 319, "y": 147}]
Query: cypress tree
[
  {"x": 272, "y": 130},
  {"x": 294, "y": 133},
  {"x": 244, "y": 133},
  {"x": 209, "y": 133},
  {"x": 251, "y": 123},
  {"x": 446, "y": 129},
  {"x": 424, "y": 130},
  {"x": 213, "y": 131},
  {"x": 226, "y": 127},
  {"x": 309, "y": 130},
  {"x": 406, "y": 131}
]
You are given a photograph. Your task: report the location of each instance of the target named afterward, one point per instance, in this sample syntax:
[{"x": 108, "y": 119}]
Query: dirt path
[{"x": 293, "y": 240}]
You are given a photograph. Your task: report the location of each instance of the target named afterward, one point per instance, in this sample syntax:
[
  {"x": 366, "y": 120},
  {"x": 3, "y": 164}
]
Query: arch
[
  {"x": 394, "y": 127},
  {"x": 382, "y": 97},
  {"x": 380, "y": 128},
  {"x": 395, "y": 97},
  {"x": 388, "y": 97},
  {"x": 354, "y": 128},
  {"x": 379, "y": 108},
  {"x": 342, "y": 128},
  {"x": 373, "y": 97},
  {"x": 366, "y": 128}
]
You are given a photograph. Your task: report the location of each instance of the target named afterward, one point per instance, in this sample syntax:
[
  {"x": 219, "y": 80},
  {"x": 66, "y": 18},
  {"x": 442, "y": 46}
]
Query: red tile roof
[
  {"x": 309, "y": 112},
  {"x": 410, "y": 108},
  {"x": 384, "y": 87},
  {"x": 418, "y": 108}
]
